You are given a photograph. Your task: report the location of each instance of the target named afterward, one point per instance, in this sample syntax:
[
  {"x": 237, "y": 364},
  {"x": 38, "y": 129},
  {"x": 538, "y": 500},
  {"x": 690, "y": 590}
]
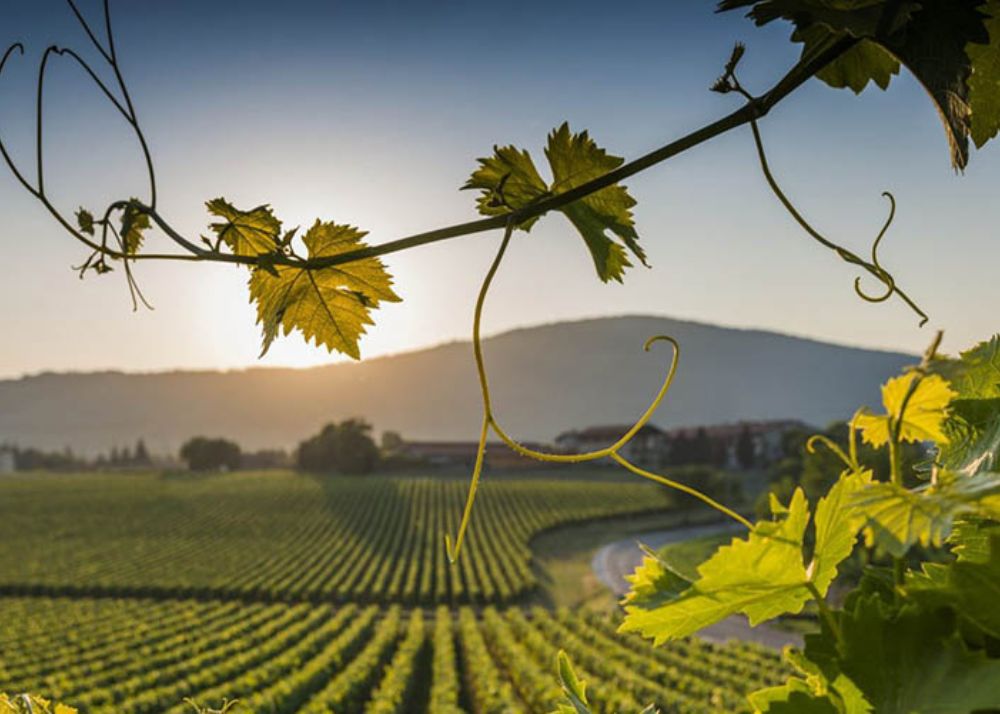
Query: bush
[
  {"x": 203, "y": 454},
  {"x": 346, "y": 447}
]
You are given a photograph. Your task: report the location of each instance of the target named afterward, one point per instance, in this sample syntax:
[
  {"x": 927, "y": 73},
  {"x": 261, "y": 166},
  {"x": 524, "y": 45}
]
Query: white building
[{"x": 7, "y": 465}]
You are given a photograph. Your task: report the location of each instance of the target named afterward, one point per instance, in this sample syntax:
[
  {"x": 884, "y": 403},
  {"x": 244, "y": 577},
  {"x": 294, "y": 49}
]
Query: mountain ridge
[{"x": 546, "y": 378}]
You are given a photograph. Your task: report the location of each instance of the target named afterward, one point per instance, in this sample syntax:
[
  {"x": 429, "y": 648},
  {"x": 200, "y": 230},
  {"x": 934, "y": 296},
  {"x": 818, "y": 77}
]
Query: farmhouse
[
  {"x": 765, "y": 438},
  {"x": 649, "y": 447}
]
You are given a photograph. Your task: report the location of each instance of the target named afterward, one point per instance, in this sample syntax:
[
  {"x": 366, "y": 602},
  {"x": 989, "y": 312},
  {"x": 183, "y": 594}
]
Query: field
[{"x": 129, "y": 594}]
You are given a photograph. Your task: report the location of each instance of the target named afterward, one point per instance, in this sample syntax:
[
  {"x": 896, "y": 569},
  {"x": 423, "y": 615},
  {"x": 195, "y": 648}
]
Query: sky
[{"x": 373, "y": 113}]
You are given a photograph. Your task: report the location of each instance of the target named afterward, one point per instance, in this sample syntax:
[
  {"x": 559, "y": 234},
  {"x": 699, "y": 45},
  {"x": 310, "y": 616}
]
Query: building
[
  {"x": 766, "y": 437},
  {"x": 649, "y": 447},
  {"x": 7, "y": 462}
]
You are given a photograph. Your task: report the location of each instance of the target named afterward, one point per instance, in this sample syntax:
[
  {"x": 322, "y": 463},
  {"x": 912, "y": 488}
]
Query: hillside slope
[{"x": 546, "y": 379}]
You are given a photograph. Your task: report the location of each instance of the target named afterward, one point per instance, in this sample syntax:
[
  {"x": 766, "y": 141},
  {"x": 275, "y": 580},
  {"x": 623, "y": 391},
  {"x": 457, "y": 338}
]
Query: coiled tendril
[
  {"x": 490, "y": 422},
  {"x": 728, "y": 82}
]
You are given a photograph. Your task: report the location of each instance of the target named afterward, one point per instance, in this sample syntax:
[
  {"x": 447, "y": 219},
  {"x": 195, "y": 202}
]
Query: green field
[{"x": 129, "y": 593}]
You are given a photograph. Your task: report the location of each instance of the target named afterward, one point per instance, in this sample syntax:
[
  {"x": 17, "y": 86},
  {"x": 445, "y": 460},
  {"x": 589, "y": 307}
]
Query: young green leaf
[
  {"x": 85, "y": 221},
  {"x": 761, "y": 577},
  {"x": 926, "y": 403},
  {"x": 574, "y": 689},
  {"x": 836, "y": 526},
  {"x": 250, "y": 233},
  {"x": 575, "y": 159},
  {"x": 896, "y": 518},
  {"x": 508, "y": 181},
  {"x": 330, "y": 305},
  {"x": 134, "y": 222}
]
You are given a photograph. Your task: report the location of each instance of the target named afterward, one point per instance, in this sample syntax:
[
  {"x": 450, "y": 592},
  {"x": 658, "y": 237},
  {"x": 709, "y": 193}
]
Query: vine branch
[{"x": 796, "y": 76}]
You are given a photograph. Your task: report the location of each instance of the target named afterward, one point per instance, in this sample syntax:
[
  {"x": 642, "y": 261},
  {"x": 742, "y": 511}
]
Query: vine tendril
[
  {"x": 453, "y": 548},
  {"x": 728, "y": 82}
]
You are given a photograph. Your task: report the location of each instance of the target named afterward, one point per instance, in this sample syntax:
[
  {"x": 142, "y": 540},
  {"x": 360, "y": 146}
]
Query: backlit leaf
[
  {"x": 897, "y": 518},
  {"x": 134, "y": 222},
  {"x": 837, "y": 526},
  {"x": 925, "y": 410},
  {"x": 508, "y": 180},
  {"x": 761, "y": 577},
  {"x": 331, "y": 305},
  {"x": 575, "y": 159},
  {"x": 249, "y": 233}
]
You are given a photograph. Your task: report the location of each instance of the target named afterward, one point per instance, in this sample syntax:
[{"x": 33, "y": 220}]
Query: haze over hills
[{"x": 545, "y": 380}]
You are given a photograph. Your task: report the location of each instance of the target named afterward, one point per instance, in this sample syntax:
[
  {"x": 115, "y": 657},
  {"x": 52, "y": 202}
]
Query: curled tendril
[
  {"x": 490, "y": 422},
  {"x": 830, "y": 444},
  {"x": 883, "y": 275},
  {"x": 117, "y": 93},
  {"x": 730, "y": 83}
]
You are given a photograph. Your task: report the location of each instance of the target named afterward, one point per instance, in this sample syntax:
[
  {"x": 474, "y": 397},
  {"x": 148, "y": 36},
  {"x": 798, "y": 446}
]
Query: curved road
[{"x": 616, "y": 560}]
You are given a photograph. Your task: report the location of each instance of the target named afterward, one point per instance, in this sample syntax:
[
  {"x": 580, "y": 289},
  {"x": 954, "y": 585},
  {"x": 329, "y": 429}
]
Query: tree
[
  {"x": 746, "y": 449},
  {"x": 204, "y": 454},
  {"x": 391, "y": 442},
  {"x": 141, "y": 456},
  {"x": 346, "y": 447}
]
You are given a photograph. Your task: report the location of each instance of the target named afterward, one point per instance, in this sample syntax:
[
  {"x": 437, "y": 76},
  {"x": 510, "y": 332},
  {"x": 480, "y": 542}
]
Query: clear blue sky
[{"x": 372, "y": 113}]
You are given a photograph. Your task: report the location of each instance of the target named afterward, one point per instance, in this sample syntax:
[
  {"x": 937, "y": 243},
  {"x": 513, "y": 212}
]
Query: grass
[{"x": 563, "y": 555}]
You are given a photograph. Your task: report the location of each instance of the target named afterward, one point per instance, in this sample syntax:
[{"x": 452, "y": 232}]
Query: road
[{"x": 616, "y": 560}]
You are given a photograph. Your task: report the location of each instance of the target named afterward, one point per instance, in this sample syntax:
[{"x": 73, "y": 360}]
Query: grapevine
[{"x": 935, "y": 633}]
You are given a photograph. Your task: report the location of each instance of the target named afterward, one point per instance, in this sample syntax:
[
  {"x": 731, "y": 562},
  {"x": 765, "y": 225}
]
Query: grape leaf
[
  {"x": 134, "y": 222},
  {"x": 976, "y": 374},
  {"x": 984, "y": 84},
  {"x": 925, "y": 410},
  {"x": 970, "y": 538},
  {"x": 793, "y": 697},
  {"x": 573, "y": 688},
  {"x": 508, "y": 180},
  {"x": 896, "y": 518},
  {"x": 910, "y": 661},
  {"x": 85, "y": 221},
  {"x": 865, "y": 62},
  {"x": 249, "y": 233},
  {"x": 653, "y": 583},
  {"x": 329, "y": 305},
  {"x": 575, "y": 159},
  {"x": 762, "y": 577},
  {"x": 946, "y": 45},
  {"x": 836, "y": 526},
  {"x": 970, "y": 588},
  {"x": 933, "y": 48}
]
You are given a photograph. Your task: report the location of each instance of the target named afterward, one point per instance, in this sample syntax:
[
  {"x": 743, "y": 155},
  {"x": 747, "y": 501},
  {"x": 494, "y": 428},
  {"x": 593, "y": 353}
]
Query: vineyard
[
  {"x": 130, "y": 656},
  {"x": 284, "y": 537},
  {"x": 301, "y": 594}
]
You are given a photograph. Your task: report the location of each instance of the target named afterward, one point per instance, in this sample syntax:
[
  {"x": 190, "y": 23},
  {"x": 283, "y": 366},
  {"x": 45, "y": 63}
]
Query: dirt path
[{"x": 616, "y": 560}]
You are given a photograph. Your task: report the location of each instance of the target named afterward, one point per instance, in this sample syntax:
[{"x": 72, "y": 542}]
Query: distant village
[{"x": 739, "y": 446}]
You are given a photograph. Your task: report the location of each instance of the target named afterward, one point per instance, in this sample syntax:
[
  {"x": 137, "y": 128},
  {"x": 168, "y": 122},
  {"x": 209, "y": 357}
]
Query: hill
[{"x": 546, "y": 379}]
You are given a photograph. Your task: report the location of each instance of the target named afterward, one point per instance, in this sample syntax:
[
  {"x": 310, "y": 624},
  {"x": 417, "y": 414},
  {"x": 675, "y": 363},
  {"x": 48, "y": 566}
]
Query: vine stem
[
  {"x": 795, "y": 77},
  {"x": 824, "y": 609}
]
